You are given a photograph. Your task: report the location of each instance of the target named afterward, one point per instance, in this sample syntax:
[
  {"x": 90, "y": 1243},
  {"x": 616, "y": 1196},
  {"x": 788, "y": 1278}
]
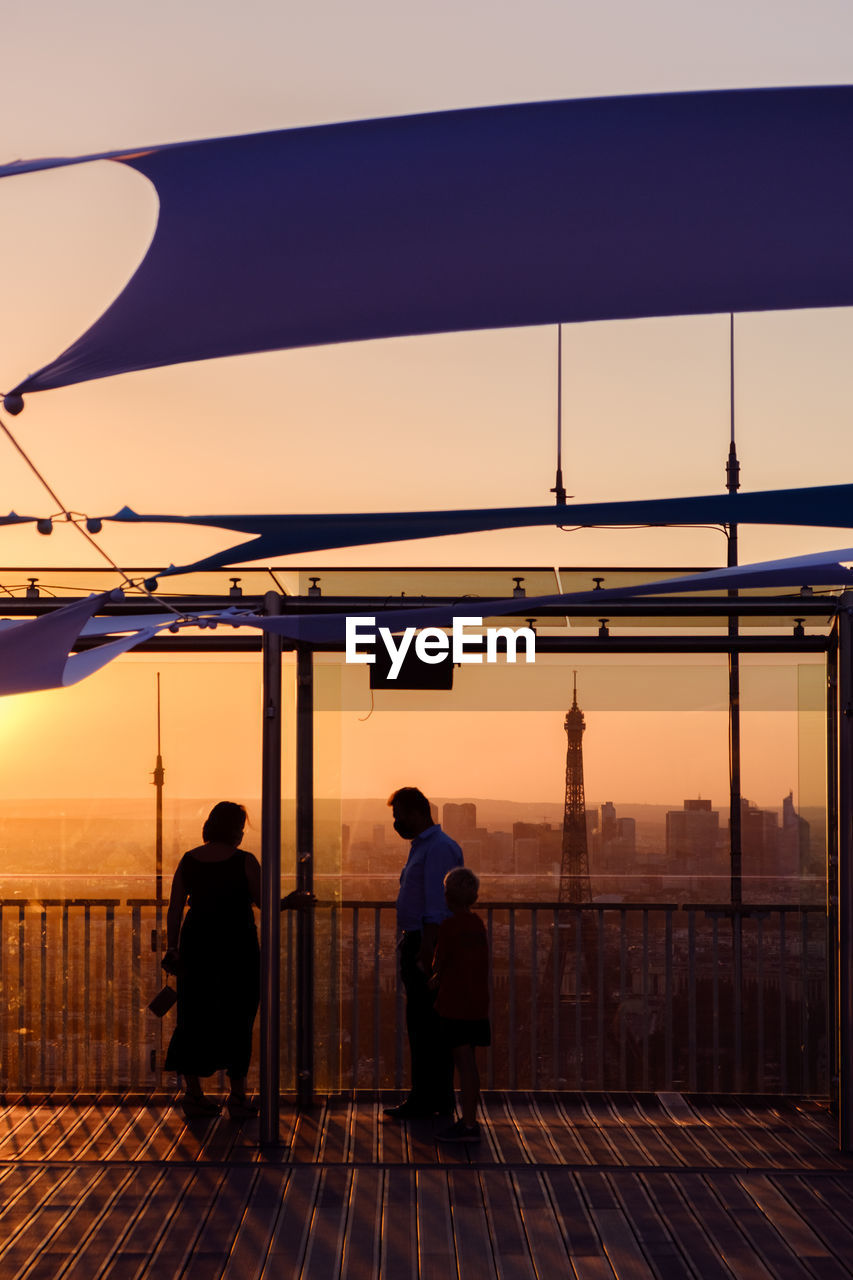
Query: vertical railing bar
[
  {"x": 78, "y": 1031},
  {"x": 512, "y": 1033},
  {"x": 804, "y": 1086},
  {"x": 354, "y": 1007},
  {"x": 43, "y": 1082},
  {"x": 64, "y": 984},
  {"x": 555, "y": 999},
  {"x": 290, "y": 986},
  {"x": 377, "y": 1003},
  {"x": 600, "y": 996},
  {"x": 399, "y": 1023},
  {"x": 534, "y": 991},
  {"x": 490, "y": 1052},
  {"x": 65, "y": 1015},
  {"x": 737, "y": 944},
  {"x": 4, "y": 1010},
  {"x": 623, "y": 976},
  {"x": 135, "y": 990},
  {"x": 645, "y": 997},
  {"x": 110, "y": 1037},
  {"x": 783, "y": 1004},
  {"x": 692, "y": 1067},
  {"x": 667, "y": 960},
  {"x": 335, "y": 1081},
  {"x": 23, "y": 1055},
  {"x": 578, "y": 982},
  {"x": 87, "y": 950},
  {"x": 715, "y": 996},
  {"x": 759, "y": 1001}
]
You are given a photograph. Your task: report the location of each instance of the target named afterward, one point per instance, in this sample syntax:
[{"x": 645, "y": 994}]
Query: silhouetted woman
[{"x": 217, "y": 960}]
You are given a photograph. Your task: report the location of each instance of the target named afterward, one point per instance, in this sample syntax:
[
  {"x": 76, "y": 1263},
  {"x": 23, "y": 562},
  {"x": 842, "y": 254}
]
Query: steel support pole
[
  {"x": 832, "y": 867},
  {"x": 735, "y": 808},
  {"x": 270, "y": 880},
  {"x": 735, "y": 822},
  {"x": 844, "y": 1018},
  {"x": 305, "y": 874}
]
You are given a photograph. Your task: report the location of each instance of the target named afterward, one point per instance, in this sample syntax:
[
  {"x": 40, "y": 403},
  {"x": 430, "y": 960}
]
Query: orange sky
[{"x": 98, "y": 739}]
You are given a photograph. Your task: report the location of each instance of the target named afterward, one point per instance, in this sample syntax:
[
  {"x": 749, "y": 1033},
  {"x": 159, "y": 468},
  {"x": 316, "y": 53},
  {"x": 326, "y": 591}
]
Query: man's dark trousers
[{"x": 432, "y": 1060}]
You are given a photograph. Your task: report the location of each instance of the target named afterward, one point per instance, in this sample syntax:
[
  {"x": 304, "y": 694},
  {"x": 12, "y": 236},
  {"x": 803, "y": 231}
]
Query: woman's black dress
[{"x": 218, "y": 971}]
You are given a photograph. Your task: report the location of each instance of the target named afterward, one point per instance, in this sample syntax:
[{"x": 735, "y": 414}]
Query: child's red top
[{"x": 462, "y": 965}]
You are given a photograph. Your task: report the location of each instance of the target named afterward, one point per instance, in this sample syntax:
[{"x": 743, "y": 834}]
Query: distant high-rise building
[
  {"x": 608, "y": 821},
  {"x": 759, "y": 838},
  {"x": 459, "y": 820},
  {"x": 692, "y": 831},
  {"x": 614, "y": 840},
  {"x": 795, "y": 854}
]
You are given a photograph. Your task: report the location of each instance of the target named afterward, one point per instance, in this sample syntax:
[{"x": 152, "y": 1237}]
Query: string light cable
[{"x": 79, "y": 523}]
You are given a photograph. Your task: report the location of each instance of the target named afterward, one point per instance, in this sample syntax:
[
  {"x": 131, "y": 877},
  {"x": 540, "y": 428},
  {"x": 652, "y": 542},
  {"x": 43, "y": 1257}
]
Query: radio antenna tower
[{"x": 574, "y": 864}]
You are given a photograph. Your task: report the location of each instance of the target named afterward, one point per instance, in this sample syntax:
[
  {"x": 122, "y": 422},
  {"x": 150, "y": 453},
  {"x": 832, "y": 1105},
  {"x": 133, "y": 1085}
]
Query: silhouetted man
[{"x": 421, "y": 907}]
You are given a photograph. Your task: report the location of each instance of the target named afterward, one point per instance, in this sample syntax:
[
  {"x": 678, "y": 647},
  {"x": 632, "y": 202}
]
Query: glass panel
[
  {"x": 79, "y": 948},
  {"x": 646, "y": 978}
]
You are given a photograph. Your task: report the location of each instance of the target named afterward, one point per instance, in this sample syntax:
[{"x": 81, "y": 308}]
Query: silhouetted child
[{"x": 461, "y": 981}]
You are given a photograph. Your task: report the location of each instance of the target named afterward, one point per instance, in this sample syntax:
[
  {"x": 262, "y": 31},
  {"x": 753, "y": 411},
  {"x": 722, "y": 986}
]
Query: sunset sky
[{"x": 448, "y": 420}]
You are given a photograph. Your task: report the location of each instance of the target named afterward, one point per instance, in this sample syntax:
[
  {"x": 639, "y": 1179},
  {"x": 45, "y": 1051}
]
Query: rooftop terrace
[{"x": 593, "y": 1185}]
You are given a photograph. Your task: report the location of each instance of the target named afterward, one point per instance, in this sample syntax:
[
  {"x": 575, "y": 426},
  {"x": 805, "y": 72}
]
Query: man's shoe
[
  {"x": 460, "y": 1132},
  {"x": 407, "y": 1110}
]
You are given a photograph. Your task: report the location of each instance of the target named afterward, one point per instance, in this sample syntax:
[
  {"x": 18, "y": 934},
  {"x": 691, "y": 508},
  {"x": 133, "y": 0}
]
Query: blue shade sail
[
  {"x": 818, "y": 569},
  {"x": 35, "y": 655},
  {"x": 531, "y": 214},
  {"x": 827, "y": 506}
]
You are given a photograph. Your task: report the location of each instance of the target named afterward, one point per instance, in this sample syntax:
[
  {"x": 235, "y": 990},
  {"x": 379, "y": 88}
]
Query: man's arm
[{"x": 437, "y": 863}]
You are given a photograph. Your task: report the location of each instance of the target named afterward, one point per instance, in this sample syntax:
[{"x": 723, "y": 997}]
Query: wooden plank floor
[{"x": 593, "y": 1186}]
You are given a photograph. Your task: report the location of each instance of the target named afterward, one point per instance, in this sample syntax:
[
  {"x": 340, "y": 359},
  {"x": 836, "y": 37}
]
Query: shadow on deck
[{"x": 592, "y": 1185}]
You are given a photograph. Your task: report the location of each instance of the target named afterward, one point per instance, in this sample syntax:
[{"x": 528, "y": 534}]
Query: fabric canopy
[
  {"x": 827, "y": 506},
  {"x": 820, "y": 569},
  {"x": 37, "y": 655},
  {"x": 516, "y": 215}
]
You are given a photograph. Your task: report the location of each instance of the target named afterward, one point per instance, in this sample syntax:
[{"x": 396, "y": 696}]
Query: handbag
[{"x": 163, "y": 1001}]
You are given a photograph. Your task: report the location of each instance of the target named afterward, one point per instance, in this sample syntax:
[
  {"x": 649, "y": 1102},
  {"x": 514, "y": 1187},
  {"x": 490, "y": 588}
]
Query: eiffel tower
[
  {"x": 574, "y": 863},
  {"x": 574, "y": 891}
]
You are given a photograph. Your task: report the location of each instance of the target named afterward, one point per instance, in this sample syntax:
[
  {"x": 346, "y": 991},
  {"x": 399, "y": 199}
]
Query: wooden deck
[{"x": 586, "y": 1185}]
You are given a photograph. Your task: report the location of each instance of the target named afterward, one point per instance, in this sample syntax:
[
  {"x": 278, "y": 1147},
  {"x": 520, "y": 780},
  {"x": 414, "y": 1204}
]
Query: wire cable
[{"x": 69, "y": 516}]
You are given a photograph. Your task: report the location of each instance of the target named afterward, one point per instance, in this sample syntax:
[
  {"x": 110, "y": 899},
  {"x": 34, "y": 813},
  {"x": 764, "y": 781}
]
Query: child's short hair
[{"x": 463, "y": 885}]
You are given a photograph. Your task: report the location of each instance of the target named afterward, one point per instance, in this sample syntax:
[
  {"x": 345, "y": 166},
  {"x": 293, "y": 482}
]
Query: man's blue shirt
[{"x": 421, "y": 897}]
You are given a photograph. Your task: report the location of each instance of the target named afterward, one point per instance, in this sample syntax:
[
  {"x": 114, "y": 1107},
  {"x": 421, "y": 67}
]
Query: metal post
[
  {"x": 305, "y": 874},
  {"x": 159, "y": 779},
  {"x": 732, "y": 486},
  {"x": 270, "y": 879},
  {"x": 735, "y": 832},
  {"x": 844, "y": 1021},
  {"x": 832, "y": 865}
]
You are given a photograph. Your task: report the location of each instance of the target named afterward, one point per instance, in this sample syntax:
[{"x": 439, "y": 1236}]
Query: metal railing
[{"x": 599, "y": 996}]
